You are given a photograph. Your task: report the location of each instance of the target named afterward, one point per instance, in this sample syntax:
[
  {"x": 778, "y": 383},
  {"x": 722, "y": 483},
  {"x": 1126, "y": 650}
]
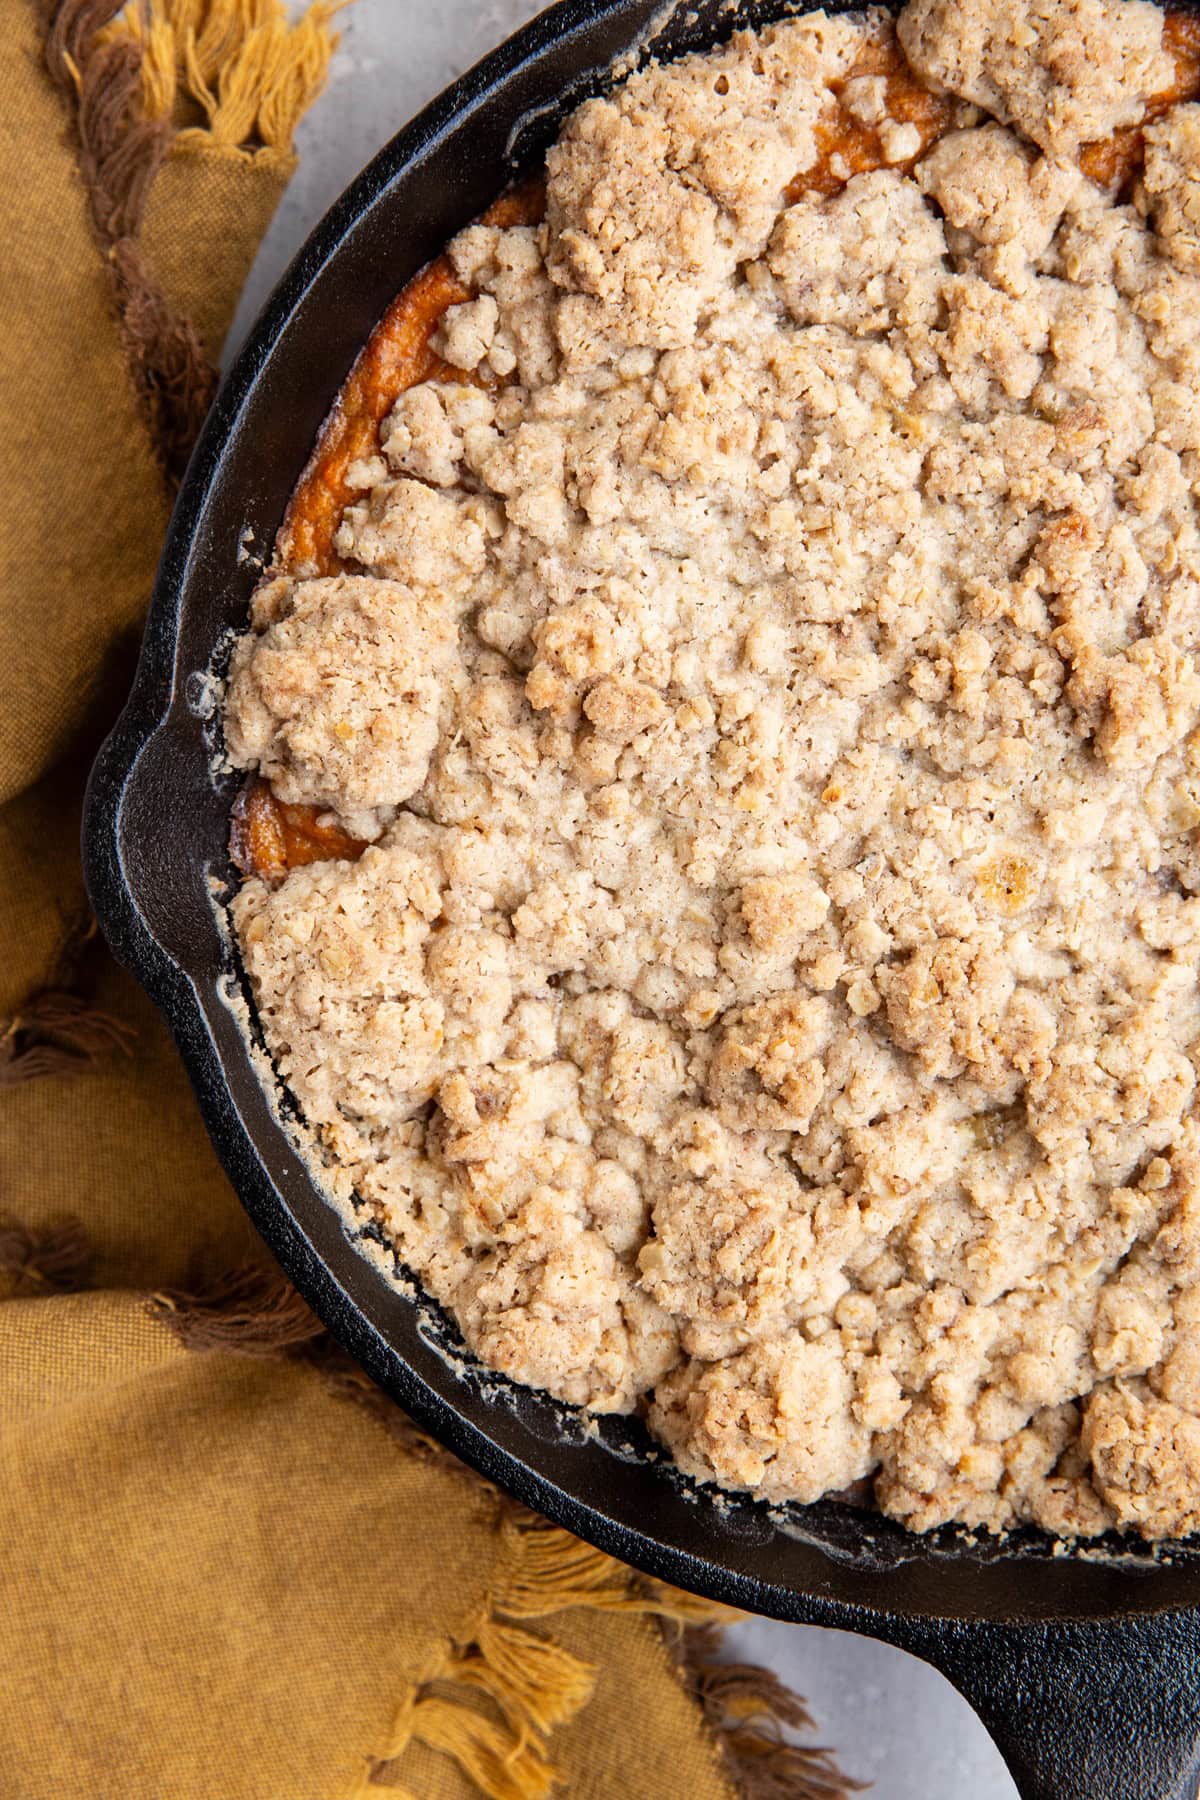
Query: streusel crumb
[{"x": 767, "y": 679}]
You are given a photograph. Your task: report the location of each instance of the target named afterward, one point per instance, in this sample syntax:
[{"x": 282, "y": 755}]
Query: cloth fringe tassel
[
  {"x": 254, "y": 1312},
  {"x": 748, "y": 1709},
  {"x": 121, "y": 149},
  {"x": 57, "y": 1032},
  {"x": 257, "y": 1312},
  {"x": 121, "y": 69},
  {"x": 251, "y": 71},
  {"x": 528, "y": 1685},
  {"x": 48, "y": 1259}
]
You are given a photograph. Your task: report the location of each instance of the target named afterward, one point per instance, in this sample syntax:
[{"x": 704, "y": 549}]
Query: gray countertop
[{"x": 895, "y": 1722}]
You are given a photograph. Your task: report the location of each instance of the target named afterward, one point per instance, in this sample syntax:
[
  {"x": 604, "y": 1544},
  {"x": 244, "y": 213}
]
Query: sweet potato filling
[
  {"x": 1116, "y": 161},
  {"x": 849, "y": 146},
  {"x": 268, "y": 836},
  {"x": 398, "y": 355}
]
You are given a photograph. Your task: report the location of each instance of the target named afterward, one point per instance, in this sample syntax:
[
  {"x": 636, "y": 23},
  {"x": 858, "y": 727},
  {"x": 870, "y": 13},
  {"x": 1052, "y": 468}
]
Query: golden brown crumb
[{"x": 769, "y": 996}]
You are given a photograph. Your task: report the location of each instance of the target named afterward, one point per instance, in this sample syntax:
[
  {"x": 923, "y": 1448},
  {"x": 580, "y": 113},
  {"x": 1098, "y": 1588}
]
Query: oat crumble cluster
[{"x": 767, "y": 682}]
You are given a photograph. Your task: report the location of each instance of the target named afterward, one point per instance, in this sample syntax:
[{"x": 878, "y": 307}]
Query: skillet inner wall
[{"x": 173, "y": 828}]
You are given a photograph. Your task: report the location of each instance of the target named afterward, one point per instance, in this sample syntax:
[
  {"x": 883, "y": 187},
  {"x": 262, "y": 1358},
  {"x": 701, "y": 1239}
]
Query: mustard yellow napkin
[{"x": 230, "y": 1569}]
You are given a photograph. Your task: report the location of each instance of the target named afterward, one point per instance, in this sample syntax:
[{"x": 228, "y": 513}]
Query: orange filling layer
[
  {"x": 398, "y": 355},
  {"x": 847, "y": 147},
  {"x": 1116, "y": 161},
  {"x": 269, "y": 836}
]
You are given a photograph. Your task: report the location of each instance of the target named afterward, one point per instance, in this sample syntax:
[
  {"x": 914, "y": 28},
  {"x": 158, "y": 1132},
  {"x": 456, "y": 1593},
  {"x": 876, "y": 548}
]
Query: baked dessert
[{"x": 723, "y": 733}]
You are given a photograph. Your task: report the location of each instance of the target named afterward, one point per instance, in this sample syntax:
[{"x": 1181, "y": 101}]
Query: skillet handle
[{"x": 1087, "y": 1710}]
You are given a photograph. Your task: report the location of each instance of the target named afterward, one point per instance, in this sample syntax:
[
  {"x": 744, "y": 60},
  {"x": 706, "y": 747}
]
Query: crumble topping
[
  {"x": 767, "y": 680},
  {"x": 342, "y": 696},
  {"x": 1064, "y": 72}
]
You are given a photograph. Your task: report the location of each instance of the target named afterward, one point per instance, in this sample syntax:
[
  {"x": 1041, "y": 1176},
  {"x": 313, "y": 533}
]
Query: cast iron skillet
[{"x": 1085, "y": 1668}]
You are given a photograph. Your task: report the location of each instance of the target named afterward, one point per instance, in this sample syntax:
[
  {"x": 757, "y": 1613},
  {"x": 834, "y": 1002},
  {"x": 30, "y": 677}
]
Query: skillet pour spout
[{"x": 1085, "y": 1667}]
